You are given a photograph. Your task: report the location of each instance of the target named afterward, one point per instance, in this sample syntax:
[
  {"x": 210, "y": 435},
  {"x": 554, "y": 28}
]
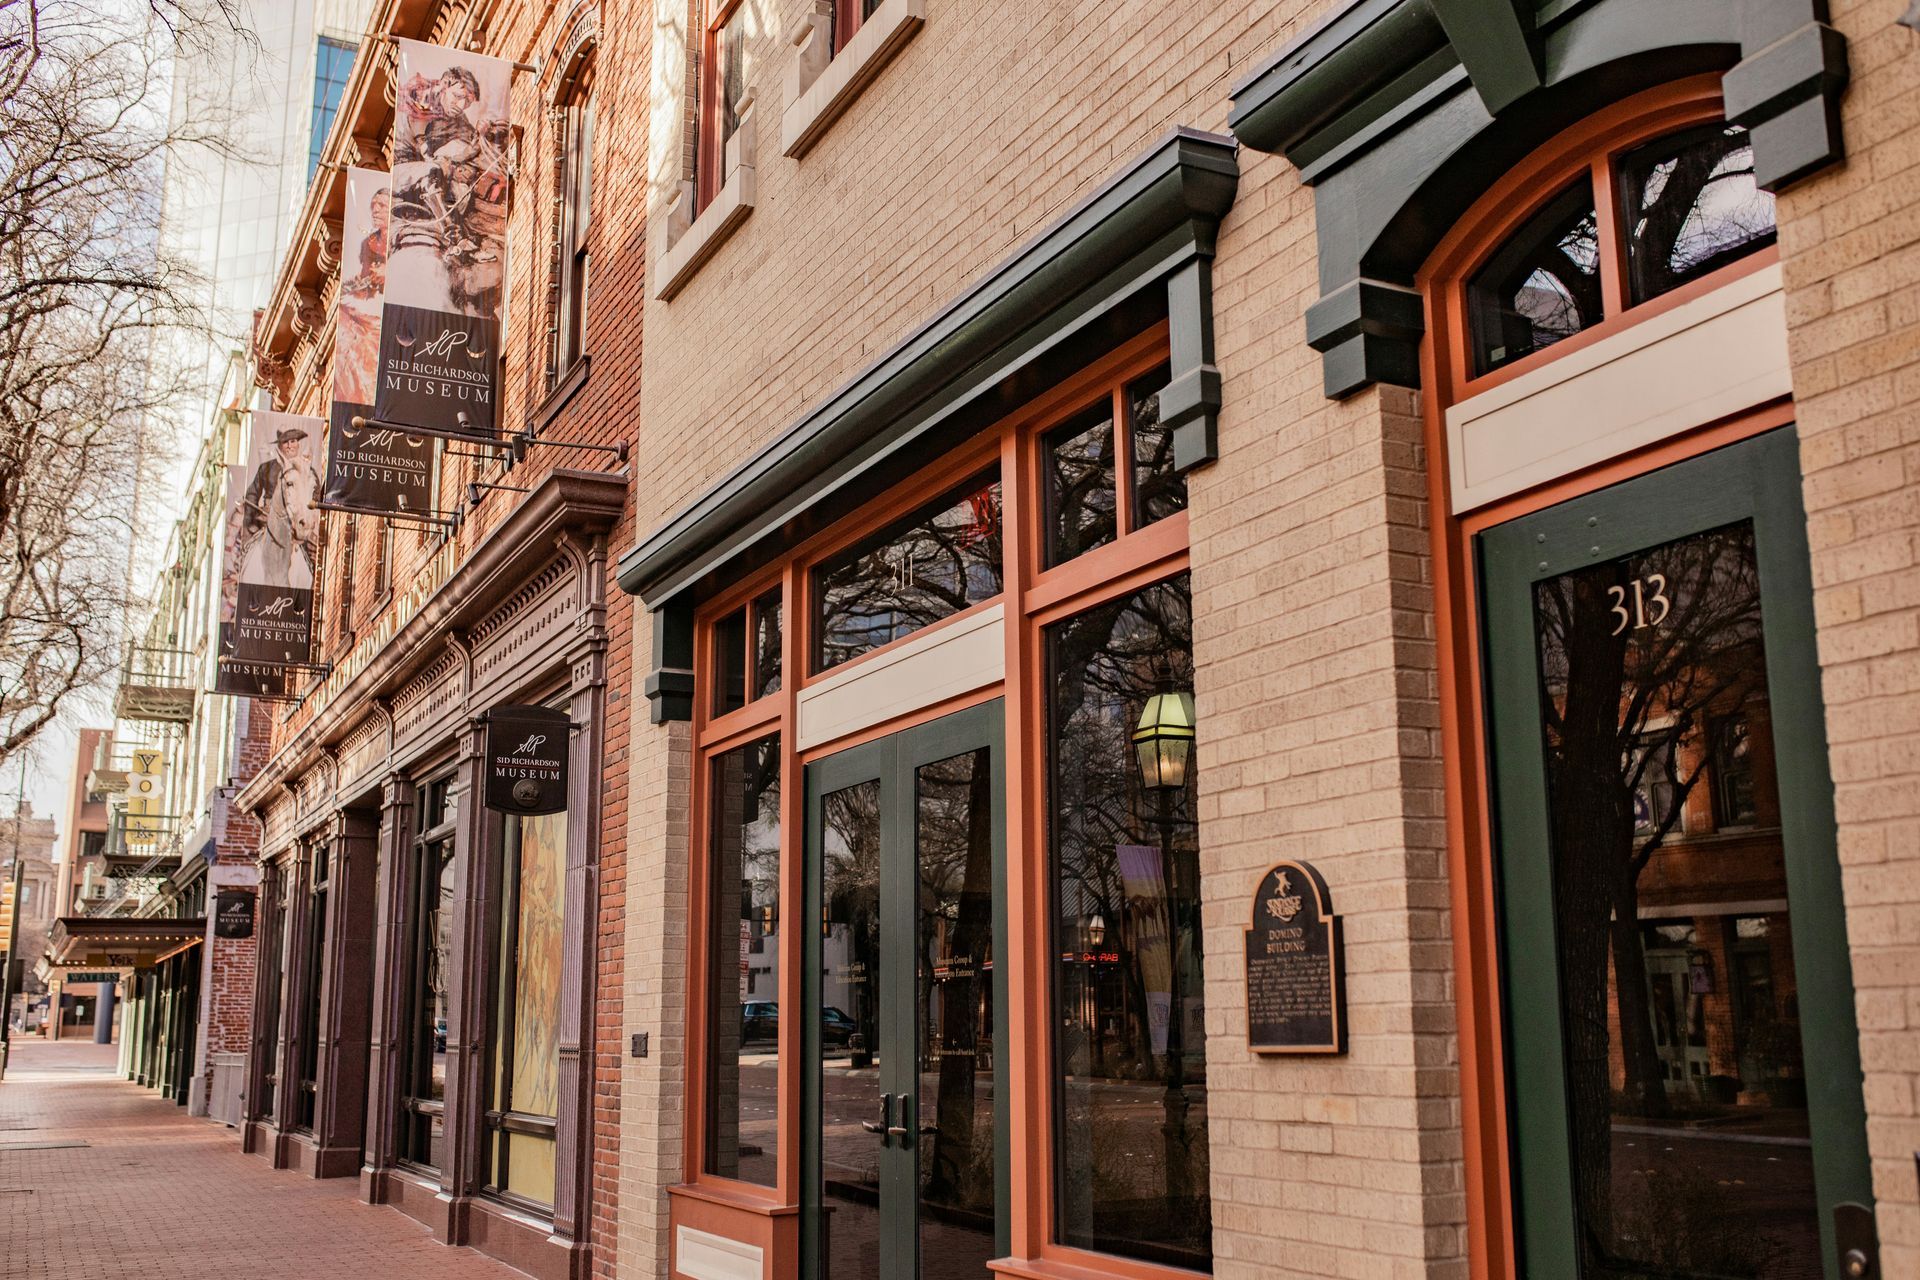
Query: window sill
[
  {"x": 570, "y": 381},
  {"x": 684, "y": 256},
  {"x": 817, "y": 95}
]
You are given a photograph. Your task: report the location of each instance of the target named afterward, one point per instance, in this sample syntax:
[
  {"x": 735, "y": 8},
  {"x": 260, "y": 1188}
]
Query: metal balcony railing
[{"x": 156, "y": 685}]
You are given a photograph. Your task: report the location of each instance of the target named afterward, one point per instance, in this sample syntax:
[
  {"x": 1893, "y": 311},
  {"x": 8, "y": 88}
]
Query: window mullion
[{"x": 1611, "y": 239}]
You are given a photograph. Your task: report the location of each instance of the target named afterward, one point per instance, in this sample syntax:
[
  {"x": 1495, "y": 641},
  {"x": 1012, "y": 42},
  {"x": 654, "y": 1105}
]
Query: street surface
[{"x": 103, "y": 1180}]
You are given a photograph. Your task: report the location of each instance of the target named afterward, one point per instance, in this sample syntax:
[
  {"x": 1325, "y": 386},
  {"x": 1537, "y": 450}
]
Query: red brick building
[{"x": 399, "y": 992}]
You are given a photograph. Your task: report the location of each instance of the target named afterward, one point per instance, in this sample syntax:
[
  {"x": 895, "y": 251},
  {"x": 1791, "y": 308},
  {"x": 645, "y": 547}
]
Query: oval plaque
[{"x": 1296, "y": 986}]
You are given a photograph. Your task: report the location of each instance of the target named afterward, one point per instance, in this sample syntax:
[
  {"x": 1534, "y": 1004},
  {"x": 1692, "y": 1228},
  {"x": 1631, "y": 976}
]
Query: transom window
[
  {"x": 943, "y": 558},
  {"x": 1637, "y": 225}
]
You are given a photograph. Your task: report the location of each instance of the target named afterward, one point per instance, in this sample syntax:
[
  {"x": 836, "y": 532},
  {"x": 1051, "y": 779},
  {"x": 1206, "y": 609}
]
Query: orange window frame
[
  {"x": 1592, "y": 147},
  {"x": 1034, "y": 598}
]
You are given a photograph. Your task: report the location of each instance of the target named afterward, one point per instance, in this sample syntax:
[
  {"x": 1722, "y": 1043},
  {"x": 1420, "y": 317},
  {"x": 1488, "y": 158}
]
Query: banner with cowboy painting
[
  {"x": 374, "y": 469},
  {"x": 446, "y": 243},
  {"x": 273, "y": 546}
]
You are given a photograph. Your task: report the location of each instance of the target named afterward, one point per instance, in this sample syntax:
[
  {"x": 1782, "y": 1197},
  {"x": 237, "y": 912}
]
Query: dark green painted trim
[
  {"x": 1372, "y": 105},
  {"x": 1367, "y": 332},
  {"x": 1494, "y": 39},
  {"x": 1145, "y": 227},
  {"x": 1757, "y": 479},
  {"x": 669, "y": 685}
]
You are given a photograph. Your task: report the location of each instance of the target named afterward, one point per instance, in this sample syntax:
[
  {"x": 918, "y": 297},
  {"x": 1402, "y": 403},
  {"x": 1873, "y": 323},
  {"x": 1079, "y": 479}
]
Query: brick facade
[
  {"x": 1850, "y": 241},
  {"x": 366, "y": 572}
]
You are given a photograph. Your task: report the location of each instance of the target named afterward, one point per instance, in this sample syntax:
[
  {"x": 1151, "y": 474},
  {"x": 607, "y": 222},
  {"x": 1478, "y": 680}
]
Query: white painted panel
[
  {"x": 917, "y": 672},
  {"x": 1707, "y": 358},
  {"x": 701, "y": 1255}
]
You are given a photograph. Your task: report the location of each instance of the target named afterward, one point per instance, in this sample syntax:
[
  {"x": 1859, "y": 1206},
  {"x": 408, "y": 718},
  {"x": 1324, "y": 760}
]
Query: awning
[{"x": 119, "y": 942}]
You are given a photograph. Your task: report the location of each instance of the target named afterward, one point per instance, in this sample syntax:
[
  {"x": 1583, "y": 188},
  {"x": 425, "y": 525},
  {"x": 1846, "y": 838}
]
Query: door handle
[{"x": 886, "y": 1127}]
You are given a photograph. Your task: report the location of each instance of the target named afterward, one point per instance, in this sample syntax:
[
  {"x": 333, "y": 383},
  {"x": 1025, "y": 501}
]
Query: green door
[
  {"x": 1685, "y": 1067},
  {"x": 905, "y": 1042}
]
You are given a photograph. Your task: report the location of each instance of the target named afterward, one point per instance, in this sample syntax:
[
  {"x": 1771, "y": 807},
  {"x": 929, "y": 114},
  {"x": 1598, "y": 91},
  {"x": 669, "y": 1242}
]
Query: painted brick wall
[
  {"x": 1850, "y": 241},
  {"x": 1313, "y": 629}
]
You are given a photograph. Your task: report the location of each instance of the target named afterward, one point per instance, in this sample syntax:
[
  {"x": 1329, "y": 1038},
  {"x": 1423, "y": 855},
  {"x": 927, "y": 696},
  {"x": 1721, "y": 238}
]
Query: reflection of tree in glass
[
  {"x": 941, "y": 562},
  {"x": 1104, "y": 665},
  {"x": 850, "y": 894},
  {"x": 954, "y": 852},
  {"x": 1621, "y": 702},
  {"x": 1692, "y": 206}
]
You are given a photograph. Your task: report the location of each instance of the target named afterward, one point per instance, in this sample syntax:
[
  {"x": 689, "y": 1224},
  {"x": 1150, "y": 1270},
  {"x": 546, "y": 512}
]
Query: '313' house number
[{"x": 1650, "y": 603}]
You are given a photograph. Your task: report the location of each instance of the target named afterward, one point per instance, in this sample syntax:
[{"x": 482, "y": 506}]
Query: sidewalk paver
[{"x": 103, "y": 1180}]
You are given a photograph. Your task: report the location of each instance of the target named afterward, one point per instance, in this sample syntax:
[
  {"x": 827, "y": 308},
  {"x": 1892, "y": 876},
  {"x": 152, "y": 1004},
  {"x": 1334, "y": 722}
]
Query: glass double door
[
  {"x": 905, "y": 1042},
  {"x": 1686, "y": 1084}
]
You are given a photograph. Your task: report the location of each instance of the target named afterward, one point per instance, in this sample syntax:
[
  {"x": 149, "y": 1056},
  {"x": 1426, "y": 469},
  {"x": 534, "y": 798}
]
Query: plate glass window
[
  {"x": 524, "y": 1071},
  {"x": 850, "y": 1066},
  {"x": 1685, "y": 1084},
  {"x": 423, "y": 1090},
  {"x": 743, "y": 997},
  {"x": 1130, "y": 1141}
]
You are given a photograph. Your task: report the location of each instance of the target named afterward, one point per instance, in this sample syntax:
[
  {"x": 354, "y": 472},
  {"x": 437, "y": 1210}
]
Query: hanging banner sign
[
  {"x": 375, "y": 469},
  {"x": 273, "y": 543},
  {"x": 265, "y": 680},
  {"x": 440, "y": 323},
  {"x": 233, "y": 913},
  {"x": 527, "y": 759},
  {"x": 145, "y": 777}
]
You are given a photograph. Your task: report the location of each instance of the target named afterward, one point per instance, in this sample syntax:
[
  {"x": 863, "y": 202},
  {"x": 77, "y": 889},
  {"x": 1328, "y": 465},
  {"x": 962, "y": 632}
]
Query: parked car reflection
[{"x": 760, "y": 1021}]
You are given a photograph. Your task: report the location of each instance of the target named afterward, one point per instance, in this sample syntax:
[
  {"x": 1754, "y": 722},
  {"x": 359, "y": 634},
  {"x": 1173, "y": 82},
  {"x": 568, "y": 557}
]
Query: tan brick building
[{"x": 1286, "y": 632}]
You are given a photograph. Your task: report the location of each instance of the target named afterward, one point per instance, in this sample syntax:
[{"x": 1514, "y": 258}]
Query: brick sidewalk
[{"x": 157, "y": 1195}]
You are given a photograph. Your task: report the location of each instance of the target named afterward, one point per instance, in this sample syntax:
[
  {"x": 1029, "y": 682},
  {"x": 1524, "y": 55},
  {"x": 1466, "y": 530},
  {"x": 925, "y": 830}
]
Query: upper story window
[
  {"x": 847, "y": 17},
  {"x": 574, "y": 219},
  {"x": 332, "y": 65},
  {"x": 943, "y": 558},
  {"x": 721, "y": 97},
  {"x": 1634, "y": 226}
]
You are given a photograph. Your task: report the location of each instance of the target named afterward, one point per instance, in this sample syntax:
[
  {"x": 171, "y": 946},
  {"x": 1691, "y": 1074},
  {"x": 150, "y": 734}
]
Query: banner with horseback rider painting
[
  {"x": 440, "y": 325},
  {"x": 273, "y": 546},
  {"x": 377, "y": 470}
]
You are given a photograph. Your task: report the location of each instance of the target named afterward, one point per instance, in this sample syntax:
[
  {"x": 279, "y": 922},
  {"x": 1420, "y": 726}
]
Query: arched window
[{"x": 1642, "y": 203}]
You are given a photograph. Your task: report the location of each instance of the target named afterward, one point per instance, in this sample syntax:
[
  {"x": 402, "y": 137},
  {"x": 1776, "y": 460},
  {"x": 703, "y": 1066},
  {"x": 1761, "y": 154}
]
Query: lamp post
[{"x": 1162, "y": 741}]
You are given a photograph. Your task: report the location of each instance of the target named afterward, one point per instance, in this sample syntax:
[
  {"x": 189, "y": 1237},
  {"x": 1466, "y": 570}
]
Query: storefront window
[
  {"x": 311, "y": 984},
  {"x": 524, "y": 1074},
  {"x": 273, "y": 955},
  {"x": 743, "y": 999},
  {"x": 1130, "y": 1140},
  {"x": 424, "y": 1081},
  {"x": 942, "y": 559}
]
